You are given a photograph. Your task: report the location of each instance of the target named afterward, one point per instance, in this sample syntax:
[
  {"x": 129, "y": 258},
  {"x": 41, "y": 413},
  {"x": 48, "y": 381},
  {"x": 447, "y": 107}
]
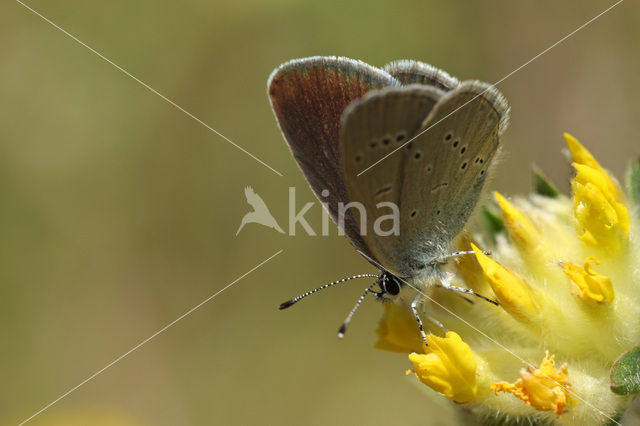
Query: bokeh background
[{"x": 118, "y": 212}]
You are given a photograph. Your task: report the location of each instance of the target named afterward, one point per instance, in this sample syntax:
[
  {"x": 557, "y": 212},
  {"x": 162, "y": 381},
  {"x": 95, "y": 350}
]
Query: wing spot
[
  {"x": 373, "y": 144},
  {"x": 358, "y": 158},
  {"x": 383, "y": 190},
  {"x": 481, "y": 172},
  {"x": 386, "y": 141},
  {"x": 400, "y": 137},
  {"x": 439, "y": 186},
  {"x": 410, "y": 145},
  {"x": 464, "y": 166},
  {"x": 429, "y": 168},
  {"x": 448, "y": 136},
  {"x": 438, "y": 212},
  {"x": 463, "y": 149},
  {"x": 417, "y": 155},
  {"x": 481, "y": 160},
  {"x": 413, "y": 213},
  {"x": 456, "y": 143}
]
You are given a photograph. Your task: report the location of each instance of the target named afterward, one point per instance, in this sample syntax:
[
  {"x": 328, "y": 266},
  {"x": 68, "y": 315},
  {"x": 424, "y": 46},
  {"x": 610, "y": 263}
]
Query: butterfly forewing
[
  {"x": 372, "y": 128},
  {"x": 308, "y": 97}
]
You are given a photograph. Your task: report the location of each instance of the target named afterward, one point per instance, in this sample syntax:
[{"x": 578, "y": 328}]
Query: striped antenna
[
  {"x": 345, "y": 324},
  {"x": 288, "y": 303}
]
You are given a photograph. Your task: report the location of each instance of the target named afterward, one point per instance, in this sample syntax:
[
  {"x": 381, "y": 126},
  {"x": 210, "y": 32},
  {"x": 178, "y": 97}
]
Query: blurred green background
[{"x": 118, "y": 212}]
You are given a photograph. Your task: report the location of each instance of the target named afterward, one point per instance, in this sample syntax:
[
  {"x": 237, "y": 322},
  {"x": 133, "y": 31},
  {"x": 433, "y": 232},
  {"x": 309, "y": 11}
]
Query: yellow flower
[
  {"x": 468, "y": 269},
  {"x": 588, "y": 284},
  {"x": 513, "y": 294},
  {"x": 598, "y": 204},
  {"x": 449, "y": 368},
  {"x": 398, "y": 330},
  {"x": 523, "y": 232},
  {"x": 582, "y": 156},
  {"x": 544, "y": 388}
]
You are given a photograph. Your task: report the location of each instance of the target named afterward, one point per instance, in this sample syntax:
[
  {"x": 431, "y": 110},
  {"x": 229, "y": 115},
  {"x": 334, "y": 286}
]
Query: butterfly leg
[
  {"x": 414, "y": 308},
  {"x": 436, "y": 322},
  {"x": 457, "y": 289},
  {"x": 462, "y": 253}
]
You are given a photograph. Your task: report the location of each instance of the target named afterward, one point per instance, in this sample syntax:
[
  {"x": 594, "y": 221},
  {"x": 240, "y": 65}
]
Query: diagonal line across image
[
  {"x": 494, "y": 84},
  {"x": 143, "y": 342},
  {"x": 151, "y": 89}
]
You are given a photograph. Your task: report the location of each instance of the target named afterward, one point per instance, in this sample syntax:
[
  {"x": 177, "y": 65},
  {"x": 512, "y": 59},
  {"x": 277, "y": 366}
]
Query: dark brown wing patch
[{"x": 308, "y": 97}]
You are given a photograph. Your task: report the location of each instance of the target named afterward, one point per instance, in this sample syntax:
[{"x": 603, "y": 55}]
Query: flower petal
[
  {"x": 521, "y": 230},
  {"x": 512, "y": 293},
  {"x": 398, "y": 330},
  {"x": 545, "y": 388},
  {"x": 582, "y": 156},
  {"x": 449, "y": 368},
  {"x": 601, "y": 220},
  {"x": 588, "y": 284}
]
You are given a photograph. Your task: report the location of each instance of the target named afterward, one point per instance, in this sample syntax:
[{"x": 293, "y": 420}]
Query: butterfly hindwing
[
  {"x": 372, "y": 129},
  {"x": 414, "y": 72},
  {"x": 447, "y": 165}
]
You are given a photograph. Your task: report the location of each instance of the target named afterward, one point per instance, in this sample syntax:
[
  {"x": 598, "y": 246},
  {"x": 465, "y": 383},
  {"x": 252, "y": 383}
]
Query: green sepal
[
  {"x": 492, "y": 221},
  {"x": 542, "y": 185},
  {"x": 633, "y": 179},
  {"x": 625, "y": 373}
]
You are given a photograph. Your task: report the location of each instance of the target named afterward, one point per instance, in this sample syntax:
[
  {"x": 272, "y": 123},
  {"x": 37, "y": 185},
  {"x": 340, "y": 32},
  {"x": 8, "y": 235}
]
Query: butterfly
[{"x": 409, "y": 137}]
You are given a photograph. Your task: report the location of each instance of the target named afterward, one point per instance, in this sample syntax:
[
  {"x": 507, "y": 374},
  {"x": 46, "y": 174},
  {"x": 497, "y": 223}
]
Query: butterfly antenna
[
  {"x": 345, "y": 324},
  {"x": 288, "y": 303}
]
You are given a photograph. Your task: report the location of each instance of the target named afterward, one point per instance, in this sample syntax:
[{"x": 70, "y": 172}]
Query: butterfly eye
[{"x": 391, "y": 287}]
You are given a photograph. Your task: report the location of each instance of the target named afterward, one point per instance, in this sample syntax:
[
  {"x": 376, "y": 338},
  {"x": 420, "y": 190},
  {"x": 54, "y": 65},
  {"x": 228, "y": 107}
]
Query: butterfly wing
[
  {"x": 308, "y": 97},
  {"x": 372, "y": 128},
  {"x": 442, "y": 171},
  {"x": 461, "y": 137},
  {"x": 414, "y": 72}
]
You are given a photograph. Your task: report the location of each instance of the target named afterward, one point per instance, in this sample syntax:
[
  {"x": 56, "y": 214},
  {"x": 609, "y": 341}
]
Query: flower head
[{"x": 564, "y": 270}]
